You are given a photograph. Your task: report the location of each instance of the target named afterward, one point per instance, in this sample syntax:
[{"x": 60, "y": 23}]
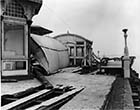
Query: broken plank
[
  {"x": 137, "y": 107},
  {"x": 56, "y": 99},
  {"x": 23, "y": 100}
]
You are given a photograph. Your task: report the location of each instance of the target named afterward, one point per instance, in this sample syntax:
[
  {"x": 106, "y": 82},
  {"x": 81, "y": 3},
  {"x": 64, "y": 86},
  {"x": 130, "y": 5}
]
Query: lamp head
[{"x": 125, "y": 30}]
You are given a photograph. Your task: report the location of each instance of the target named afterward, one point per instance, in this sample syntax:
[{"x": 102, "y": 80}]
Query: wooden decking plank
[
  {"x": 137, "y": 107},
  {"x": 104, "y": 67},
  {"x": 20, "y": 101},
  {"x": 55, "y": 99}
]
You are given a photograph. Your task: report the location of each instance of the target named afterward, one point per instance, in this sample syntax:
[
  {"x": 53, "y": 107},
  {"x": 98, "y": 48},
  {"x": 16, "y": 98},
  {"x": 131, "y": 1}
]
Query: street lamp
[
  {"x": 126, "y": 53},
  {"x": 126, "y": 59}
]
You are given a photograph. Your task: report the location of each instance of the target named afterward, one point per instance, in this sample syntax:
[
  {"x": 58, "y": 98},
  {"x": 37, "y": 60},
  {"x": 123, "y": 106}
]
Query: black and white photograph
[{"x": 70, "y": 54}]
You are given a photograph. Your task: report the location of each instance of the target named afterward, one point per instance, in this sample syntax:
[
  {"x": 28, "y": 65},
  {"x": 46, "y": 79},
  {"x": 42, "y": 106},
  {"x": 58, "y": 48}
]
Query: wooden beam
[
  {"x": 23, "y": 100},
  {"x": 55, "y": 100}
]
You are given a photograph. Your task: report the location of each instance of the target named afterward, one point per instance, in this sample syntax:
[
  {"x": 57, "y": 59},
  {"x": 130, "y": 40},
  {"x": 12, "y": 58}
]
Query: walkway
[{"x": 92, "y": 97}]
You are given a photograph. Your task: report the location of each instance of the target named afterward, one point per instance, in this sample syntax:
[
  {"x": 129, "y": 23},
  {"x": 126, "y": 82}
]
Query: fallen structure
[{"x": 50, "y": 53}]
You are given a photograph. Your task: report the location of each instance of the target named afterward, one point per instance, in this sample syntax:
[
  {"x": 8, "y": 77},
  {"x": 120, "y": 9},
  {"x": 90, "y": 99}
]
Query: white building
[{"x": 79, "y": 47}]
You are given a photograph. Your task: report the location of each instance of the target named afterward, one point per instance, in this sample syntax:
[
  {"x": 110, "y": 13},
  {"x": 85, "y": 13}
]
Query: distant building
[
  {"x": 79, "y": 47},
  {"x": 15, "y": 21}
]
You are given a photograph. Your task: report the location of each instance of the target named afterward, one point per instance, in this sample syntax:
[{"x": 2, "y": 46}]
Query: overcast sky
[{"x": 101, "y": 21}]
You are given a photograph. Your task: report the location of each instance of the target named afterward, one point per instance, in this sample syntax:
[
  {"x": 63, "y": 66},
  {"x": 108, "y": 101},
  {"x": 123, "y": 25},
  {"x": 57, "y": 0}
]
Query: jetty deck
[
  {"x": 101, "y": 92},
  {"x": 96, "y": 87},
  {"x": 94, "y": 94}
]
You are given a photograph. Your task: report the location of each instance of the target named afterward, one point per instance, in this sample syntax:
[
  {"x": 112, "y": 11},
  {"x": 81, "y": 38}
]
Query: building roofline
[
  {"x": 39, "y": 2},
  {"x": 61, "y": 35},
  {"x": 36, "y": 29},
  {"x": 36, "y": 1}
]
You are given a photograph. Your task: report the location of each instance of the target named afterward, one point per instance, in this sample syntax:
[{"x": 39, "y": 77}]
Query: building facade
[
  {"x": 15, "y": 20},
  {"x": 79, "y": 48}
]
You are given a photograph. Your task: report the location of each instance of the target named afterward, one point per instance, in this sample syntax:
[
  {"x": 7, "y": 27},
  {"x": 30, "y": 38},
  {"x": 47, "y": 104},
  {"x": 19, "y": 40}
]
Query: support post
[
  {"x": 29, "y": 22},
  {"x": 0, "y": 45},
  {"x": 74, "y": 55},
  {"x": 85, "y": 53}
]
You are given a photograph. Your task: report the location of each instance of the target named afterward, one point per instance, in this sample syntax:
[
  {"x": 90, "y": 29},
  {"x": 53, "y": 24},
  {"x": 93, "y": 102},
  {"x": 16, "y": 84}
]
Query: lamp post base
[{"x": 126, "y": 66}]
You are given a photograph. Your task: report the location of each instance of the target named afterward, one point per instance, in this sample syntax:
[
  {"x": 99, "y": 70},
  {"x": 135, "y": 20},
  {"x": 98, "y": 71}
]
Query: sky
[{"x": 100, "y": 21}]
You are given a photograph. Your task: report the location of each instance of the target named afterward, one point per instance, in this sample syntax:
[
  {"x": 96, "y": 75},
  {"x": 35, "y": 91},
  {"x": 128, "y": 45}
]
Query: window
[
  {"x": 79, "y": 62},
  {"x": 79, "y": 43},
  {"x": 14, "y": 9},
  {"x": 71, "y": 53},
  {"x": 14, "y": 65},
  {"x": 80, "y": 51},
  {"x": 14, "y": 40},
  {"x": 71, "y": 61}
]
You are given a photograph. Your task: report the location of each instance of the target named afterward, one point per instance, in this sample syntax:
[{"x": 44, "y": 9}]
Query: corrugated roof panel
[
  {"x": 48, "y": 42},
  {"x": 50, "y": 53}
]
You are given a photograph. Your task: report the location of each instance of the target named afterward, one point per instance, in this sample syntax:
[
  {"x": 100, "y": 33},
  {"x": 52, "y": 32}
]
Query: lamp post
[
  {"x": 126, "y": 53},
  {"x": 126, "y": 59}
]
